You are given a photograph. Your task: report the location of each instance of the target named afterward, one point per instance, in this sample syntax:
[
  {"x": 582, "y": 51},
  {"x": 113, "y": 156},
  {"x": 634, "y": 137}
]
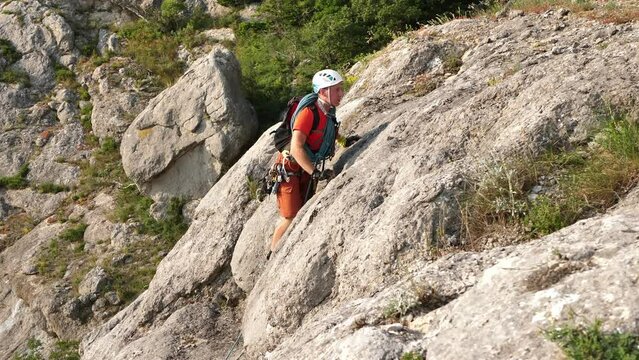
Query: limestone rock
[
  {"x": 108, "y": 42},
  {"x": 363, "y": 241},
  {"x": 55, "y": 163},
  {"x": 249, "y": 255},
  {"x": 181, "y": 143},
  {"x": 116, "y": 98},
  {"x": 37, "y": 205},
  {"x": 220, "y": 35},
  {"x": 94, "y": 281}
]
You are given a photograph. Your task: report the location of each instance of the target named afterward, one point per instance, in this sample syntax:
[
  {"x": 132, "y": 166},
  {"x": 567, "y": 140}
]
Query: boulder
[
  {"x": 108, "y": 42},
  {"x": 94, "y": 281},
  {"x": 190, "y": 133},
  {"x": 38, "y": 206}
]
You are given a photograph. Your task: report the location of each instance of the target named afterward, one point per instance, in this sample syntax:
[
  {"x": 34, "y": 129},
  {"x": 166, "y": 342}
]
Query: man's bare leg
[{"x": 279, "y": 231}]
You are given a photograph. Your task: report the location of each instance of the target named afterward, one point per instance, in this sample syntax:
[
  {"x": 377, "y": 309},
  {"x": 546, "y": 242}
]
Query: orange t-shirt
[{"x": 304, "y": 123}]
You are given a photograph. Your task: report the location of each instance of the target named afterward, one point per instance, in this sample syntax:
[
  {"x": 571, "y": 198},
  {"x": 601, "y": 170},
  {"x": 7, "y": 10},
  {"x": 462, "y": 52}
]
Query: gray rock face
[
  {"x": 93, "y": 282},
  {"x": 38, "y": 206},
  {"x": 117, "y": 98},
  {"x": 181, "y": 143},
  {"x": 220, "y": 216},
  {"x": 42, "y": 37},
  {"x": 55, "y": 162},
  {"x": 362, "y": 242},
  {"x": 108, "y": 42}
]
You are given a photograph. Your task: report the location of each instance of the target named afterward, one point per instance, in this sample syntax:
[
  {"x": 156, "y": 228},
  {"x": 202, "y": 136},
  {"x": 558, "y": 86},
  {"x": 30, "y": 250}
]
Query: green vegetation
[
  {"x": 293, "y": 39},
  {"x": 51, "y": 188},
  {"x": 129, "y": 280},
  {"x": 579, "y": 342},
  {"x": 34, "y": 346},
  {"x": 65, "y": 350},
  {"x": 412, "y": 355},
  {"x": 585, "y": 180},
  {"x": 131, "y": 204},
  {"x": 9, "y": 52},
  {"x": 17, "y": 181},
  {"x": 85, "y": 117},
  {"x": 14, "y": 227},
  {"x": 106, "y": 169},
  {"x": 15, "y": 76},
  {"x": 154, "y": 44},
  {"x": 62, "y": 350},
  {"x": 64, "y": 76},
  {"x": 54, "y": 259},
  {"x": 83, "y": 93}
]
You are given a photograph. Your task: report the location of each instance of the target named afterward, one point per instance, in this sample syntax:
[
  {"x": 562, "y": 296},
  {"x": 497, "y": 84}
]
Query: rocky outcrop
[
  {"x": 192, "y": 132},
  {"x": 119, "y": 92},
  {"x": 176, "y": 284},
  {"x": 431, "y": 108}
]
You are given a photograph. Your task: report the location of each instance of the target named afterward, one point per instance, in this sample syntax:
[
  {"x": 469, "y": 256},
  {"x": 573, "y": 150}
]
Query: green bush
[
  {"x": 579, "y": 342},
  {"x": 544, "y": 216},
  {"x": 15, "y": 76},
  {"x": 65, "y": 350},
  {"x": 17, "y": 181},
  {"x": 83, "y": 93},
  {"x": 85, "y": 117},
  {"x": 34, "y": 346},
  {"x": 52, "y": 188},
  {"x": 63, "y": 75},
  {"x": 412, "y": 355},
  {"x": 9, "y": 52}
]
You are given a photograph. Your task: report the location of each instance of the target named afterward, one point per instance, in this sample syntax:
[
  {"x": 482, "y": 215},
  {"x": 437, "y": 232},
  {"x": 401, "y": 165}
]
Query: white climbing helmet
[{"x": 325, "y": 78}]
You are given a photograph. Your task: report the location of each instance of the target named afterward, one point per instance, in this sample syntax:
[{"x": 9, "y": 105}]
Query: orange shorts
[{"x": 291, "y": 194}]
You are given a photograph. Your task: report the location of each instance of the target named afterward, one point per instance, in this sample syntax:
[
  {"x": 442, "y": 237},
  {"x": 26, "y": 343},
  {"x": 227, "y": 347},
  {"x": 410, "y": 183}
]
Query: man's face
[{"x": 334, "y": 94}]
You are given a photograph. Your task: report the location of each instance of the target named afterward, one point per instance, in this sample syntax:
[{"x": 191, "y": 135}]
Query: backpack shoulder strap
[{"x": 316, "y": 117}]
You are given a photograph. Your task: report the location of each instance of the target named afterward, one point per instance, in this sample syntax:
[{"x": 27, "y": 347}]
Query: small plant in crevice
[
  {"x": 105, "y": 169},
  {"x": 65, "y": 350},
  {"x": 32, "y": 352},
  {"x": 54, "y": 259},
  {"x": 412, "y": 355},
  {"x": 133, "y": 205},
  {"x": 14, "y": 227},
  {"x": 419, "y": 299},
  {"x": 17, "y": 181},
  {"x": 591, "y": 342},
  {"x": 15, "y": 76},
  {"x": 51, "y": 188},
  {"x": 452, "y": 63}
]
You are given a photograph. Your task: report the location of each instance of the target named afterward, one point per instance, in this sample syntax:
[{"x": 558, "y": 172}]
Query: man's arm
[{"x": 299, "y": 154}]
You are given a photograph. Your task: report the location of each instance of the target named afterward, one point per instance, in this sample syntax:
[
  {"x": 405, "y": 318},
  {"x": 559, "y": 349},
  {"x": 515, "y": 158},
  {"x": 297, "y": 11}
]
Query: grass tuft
[
  {"x": 54, "y": 259},
  {"x": 15, "y": 76},
  {"x": 17, "y": 181},
  {"x": 577, "y": 183},
  {"x": 590, "y": 342}
]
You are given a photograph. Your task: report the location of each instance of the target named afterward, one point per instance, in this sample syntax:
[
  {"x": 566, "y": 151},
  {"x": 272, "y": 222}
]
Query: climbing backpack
[{"x": 283, "y": 134}]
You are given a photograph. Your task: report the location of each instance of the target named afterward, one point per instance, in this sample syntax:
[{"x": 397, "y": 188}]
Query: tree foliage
[{"x": 294, "y": 38}]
